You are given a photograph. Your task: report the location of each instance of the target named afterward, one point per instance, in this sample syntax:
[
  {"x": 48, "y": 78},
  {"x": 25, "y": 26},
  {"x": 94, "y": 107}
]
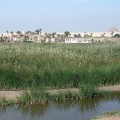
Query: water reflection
[
  {"x": 115, "y": 96},
  {"x": 82, "y": 109},
  {"x": 2, "y": 110},
  {"x": 33, "y": 110},
  {"x": 81, "y": 105}
]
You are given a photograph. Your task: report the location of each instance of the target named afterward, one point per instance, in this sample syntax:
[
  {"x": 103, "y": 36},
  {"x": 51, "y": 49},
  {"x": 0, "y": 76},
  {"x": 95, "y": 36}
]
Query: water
[{"x": 70, "y": 110}]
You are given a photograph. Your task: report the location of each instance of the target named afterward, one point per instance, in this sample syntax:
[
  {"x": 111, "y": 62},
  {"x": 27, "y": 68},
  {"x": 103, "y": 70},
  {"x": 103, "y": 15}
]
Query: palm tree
[
  {"x": 53, "y": 34},
  {"x": 40, "y": 29},
  {"x": 7, "y": 31},
  {"x": 91, "y": 34},
  {"x": 112, "y": 33},
  {"x": 37, "y": 31},
  {"x": 6, "y": 38},
  {"x": 103, "y": 35},
  {"x": 48, "y": 35}
]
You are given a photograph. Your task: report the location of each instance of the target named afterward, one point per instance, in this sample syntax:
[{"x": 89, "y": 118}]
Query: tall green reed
[{"x": 58, "y": 65}]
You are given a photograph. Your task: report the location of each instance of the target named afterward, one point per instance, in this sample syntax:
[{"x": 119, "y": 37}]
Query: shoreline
[
  {"x": 13, "y": 95},
  {"x": 115, "y": 115}
]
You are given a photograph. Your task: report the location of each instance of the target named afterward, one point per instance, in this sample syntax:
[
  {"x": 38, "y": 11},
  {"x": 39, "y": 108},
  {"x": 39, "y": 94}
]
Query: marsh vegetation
[{"x": 56, "y": 66}]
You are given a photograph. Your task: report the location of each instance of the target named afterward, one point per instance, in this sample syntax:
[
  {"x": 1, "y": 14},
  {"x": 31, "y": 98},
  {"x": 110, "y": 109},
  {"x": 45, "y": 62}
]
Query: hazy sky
[{"x": 59, "y": 15}]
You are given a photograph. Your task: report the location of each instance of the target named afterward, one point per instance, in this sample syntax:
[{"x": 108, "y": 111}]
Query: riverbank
[
  {"x": 13, "y": 95},
  {"x": 108, "y": 116}
]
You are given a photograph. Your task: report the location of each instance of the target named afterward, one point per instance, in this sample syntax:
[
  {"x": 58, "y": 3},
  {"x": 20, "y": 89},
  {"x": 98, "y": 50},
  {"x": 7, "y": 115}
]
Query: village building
[
  {"x": 47, "y": 40},
  {"x": 76, "y": 40},
  {"x": 73, "y": 37},
  {"x": 53, "y": 40},
  {"x": 14, "y": 38}
]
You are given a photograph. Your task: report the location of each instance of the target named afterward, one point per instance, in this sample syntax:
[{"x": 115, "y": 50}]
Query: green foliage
[
  {"x": 18, "y": 32},
  {"x": 90, "y": 91},
  {"x": 33, "y": 97},
  {"x": 37, "y": 96},
  {"x": 23, "y": 65},
  {"x": 64, "y": 96},
  {"x": 3, "y": 102},
  {"x": 37, "y": 31},
  {"x": 117, "y": 35},
  {"x": 66, "y": 33}
]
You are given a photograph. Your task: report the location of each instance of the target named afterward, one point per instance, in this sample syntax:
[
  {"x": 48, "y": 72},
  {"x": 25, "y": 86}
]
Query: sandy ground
[
  {"x": 111, "y": 88},
  {"x": 116, "y": 117},
  {"x": 12, "y": 95},
  {"x": 52, "y": 92}
]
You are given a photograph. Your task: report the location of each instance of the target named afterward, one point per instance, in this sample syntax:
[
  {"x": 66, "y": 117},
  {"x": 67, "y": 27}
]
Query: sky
[{"x": 59, "y": 15}]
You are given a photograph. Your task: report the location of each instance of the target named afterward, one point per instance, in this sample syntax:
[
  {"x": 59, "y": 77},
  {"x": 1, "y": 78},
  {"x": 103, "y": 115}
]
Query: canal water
[{"x": 60, "y": 110}]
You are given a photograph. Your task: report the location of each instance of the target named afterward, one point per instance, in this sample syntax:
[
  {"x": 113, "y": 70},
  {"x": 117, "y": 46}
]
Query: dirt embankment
[
  {"x": 116, "y": 117},
  {"x": 110, "y": 88},
  {"x": 12, "y": 95}
]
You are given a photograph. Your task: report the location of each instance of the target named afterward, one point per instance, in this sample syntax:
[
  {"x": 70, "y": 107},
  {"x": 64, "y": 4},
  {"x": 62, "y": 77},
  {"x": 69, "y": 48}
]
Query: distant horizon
[
  {"x": 57, "y": 31},
  {"x": 59, "y": 15}
]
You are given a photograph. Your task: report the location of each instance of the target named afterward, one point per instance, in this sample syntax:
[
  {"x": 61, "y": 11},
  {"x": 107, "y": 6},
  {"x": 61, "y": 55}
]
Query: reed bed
[
  {"x": 35, "y": 96},
  {"x": 23, "y": 65}
]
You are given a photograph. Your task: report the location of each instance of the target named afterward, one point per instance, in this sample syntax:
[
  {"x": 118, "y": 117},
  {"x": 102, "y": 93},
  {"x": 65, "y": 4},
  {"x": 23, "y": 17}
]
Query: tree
[
  {"x": 18, "y": 32},
  {"x": 103, "y": 35},
  {"x": 48, "y": 35},
  {"x": 26, "y": 38},
  {"x": 7, "y": 31},
  {"x": 79, "y": 35},
  {"x": 58, "y": 35},
  {"x": 1, "y": 38},
  {"x": 117, "y": 35},
  {"x": 75, "y": 35},
  {"x": 112, "y": 33},
  {"x": 91, "y": 34},
  {"x": 37, "y": 31},
  {"x": 6, "y": 37},
  {"x": 11, "y": 32},
  {"x": 53, "y": 34},
  {"x": 84, "y": 34},
  {"x": 27, "y": 32},
  {"x": 67, "y": 33},
  {"x": 40, "y": 29}
]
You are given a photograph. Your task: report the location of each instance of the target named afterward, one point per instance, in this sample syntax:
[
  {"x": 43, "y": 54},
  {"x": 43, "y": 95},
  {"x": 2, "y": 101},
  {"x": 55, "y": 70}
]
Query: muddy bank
[{"x": 13, "y": 95}]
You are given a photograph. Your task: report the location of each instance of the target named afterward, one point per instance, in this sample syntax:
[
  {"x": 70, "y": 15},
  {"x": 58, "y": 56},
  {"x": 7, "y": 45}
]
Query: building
[{"x": 76, "y": 40}]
